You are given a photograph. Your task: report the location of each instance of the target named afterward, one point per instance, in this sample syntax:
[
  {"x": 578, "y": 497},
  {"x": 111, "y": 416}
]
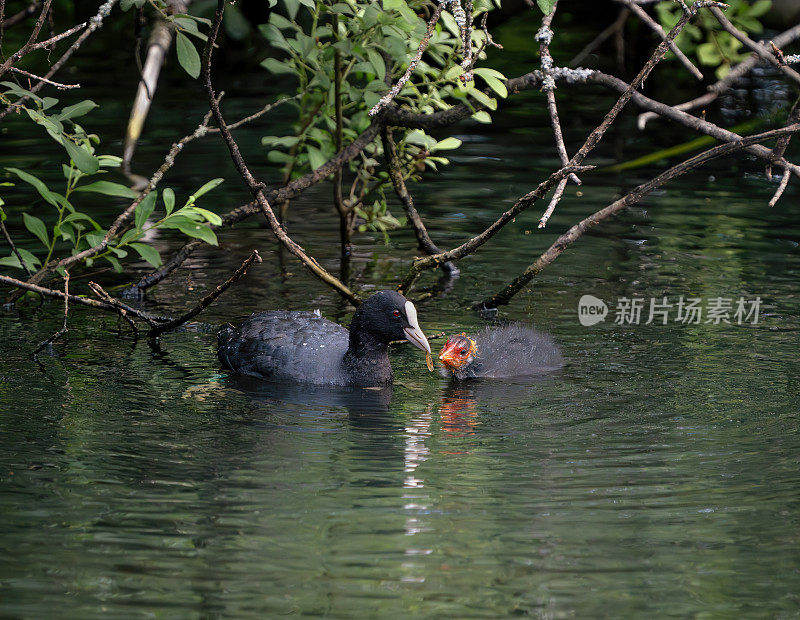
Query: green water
[{"x": 656, "y": 475}]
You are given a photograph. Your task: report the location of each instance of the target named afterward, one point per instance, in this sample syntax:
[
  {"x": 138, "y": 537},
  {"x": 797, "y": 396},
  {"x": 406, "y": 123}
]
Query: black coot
[
  {"x": 302, "y": 346},
  {"x": 512, "y": 350}
]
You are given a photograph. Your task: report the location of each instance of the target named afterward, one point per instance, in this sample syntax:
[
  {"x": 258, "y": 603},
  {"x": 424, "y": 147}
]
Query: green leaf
[
  {"x": 277, "y": 67},
  {"x": 39, "y": 185},
  {"x": 209, "y": 216},
  {"x": 546, "y": 5},
  {"x": 482, "y": 117},
  {"x": 484, "y": 99},
  {"x": 148, "y": 253},
  {"x": 447, "y": 144},
  {"x": 199, "y": 231},
  {"x": 315, "y": 157},
  {"x": 190, "y": 26},
  {"x": 108, "y": 188},
  {"x": 84, "y": 160},
  {"x": 94, "y": 238},
  {"x": 494, "y": 80},
  {"x": 168, "y": 196},
  {"x": 708, "y": 54},
  {"x": 81, "y": 217},
  {"x": 13, "y": 261},
  {"x": 759, "y": 8},
  {"x": 145, "y": 208},
  {"x": 109, "y": 161},
  {"x": 188, "y": 57},
  {"x": 114, "y": 262},
  {"x": 285, "y": 141},
  {"x": 37, "y": 227},
  {"x": 10, "y": 261},
  {"x": 19, "y": 91},
  {"x": 376, "y": 60},
  {"x": 79, "y": 109},
  {"x": 29, "y": 258},
  {"x": 207, "y": 187},
  {"x": 119, "y": 252}
]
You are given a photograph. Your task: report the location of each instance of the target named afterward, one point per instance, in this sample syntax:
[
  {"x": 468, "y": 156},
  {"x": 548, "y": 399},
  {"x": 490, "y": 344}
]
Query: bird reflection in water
[{"x": 458, "y": 411}]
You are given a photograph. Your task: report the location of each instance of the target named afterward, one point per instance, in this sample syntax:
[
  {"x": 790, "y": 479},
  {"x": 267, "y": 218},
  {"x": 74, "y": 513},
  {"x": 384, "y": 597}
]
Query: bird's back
[
  {"x": 514, "y": 350},
  {"x": 298, "y": 346}
]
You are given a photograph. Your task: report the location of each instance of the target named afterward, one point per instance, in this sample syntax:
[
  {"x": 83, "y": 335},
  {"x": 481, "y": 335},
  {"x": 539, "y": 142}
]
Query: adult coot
[
  {"x": 512, "y": 350},
  {"x": 302, "y": 346}
]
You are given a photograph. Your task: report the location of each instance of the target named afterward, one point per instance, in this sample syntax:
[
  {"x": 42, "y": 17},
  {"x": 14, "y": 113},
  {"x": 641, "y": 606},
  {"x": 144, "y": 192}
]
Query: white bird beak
[{"x": 414, "y": 334}]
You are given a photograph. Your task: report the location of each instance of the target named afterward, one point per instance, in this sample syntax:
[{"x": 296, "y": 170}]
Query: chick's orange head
[{"x": 458, "y": 351}]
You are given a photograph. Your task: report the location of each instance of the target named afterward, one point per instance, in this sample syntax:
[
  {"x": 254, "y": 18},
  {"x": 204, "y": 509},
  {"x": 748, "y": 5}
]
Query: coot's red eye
[{"x": 396, "y": 313}]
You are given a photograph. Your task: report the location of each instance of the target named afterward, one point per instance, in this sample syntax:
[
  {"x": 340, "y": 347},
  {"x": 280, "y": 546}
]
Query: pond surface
[{"x": 656, "y": 474}]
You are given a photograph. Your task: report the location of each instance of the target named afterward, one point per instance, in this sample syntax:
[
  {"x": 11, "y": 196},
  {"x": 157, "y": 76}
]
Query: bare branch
[
  {"x": 257, "y": 188},
  {"x": 94, "y": 23},
  {"x": 759, "y": 49},
  {"x": 208, "y": 299},
  {"x": 58, "y": 37},
  {"x": 63, "y": 329},
  {"x": 656, "y": 27},
  {"x": 14, "y": 249},
  {"x": 396, "y": 175},
  {"x": 58, "y": 85},
  {"x": 31, "y": 40},
  {"x": 716, "y": 89},
  {"x": 579, "y": 229},
  {"x": 781, "y": 188},
  {"x": 468, "y": 247},
  {"x": 387, "y": 98},
  {"x": 544, "y": 36}
]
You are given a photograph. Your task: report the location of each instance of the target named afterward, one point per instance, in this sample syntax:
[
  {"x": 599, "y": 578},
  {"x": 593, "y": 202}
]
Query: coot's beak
[{"x": 413, "y": 332}]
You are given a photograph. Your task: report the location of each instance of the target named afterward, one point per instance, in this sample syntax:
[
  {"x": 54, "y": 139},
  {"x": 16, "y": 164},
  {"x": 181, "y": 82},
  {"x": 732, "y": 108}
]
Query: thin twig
[
  {"x": 31, "y": 40},
  {"x": 63, "y": 329},
  {"x": 208, "y": 299},
  {"x": 396, "y": 175},
  {"x": 14, "y": 249},
  {"x": 58, "y": 37},
  {"x": 257, "y": 188},
  {"x": 656, "y": 27},
  {"x": 58, "y": 85},
  {"x": 782, "y": 143},
  {"x": 545, "y": 36},
  {"x": 388, "y": 97},
  {"x": 94, "y": 23},
  {"x": 618, "y": 24},
  {"x": 781, "y": 188},
  {"x": 121, "y": 308},
  {"x": 719, "y": 87},
  {"x": 124, "y": 309},
  {"x": 759, "y": 49},
  {"x": 261, "y": 112},
  {"x": 578, "y": 230}
]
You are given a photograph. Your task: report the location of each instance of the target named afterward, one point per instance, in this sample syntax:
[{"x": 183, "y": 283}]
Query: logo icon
[{"x": 591, "y": 310}]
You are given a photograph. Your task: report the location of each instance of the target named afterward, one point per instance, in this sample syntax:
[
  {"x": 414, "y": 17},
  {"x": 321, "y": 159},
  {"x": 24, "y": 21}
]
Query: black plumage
[{"x": 304, "y": 347}]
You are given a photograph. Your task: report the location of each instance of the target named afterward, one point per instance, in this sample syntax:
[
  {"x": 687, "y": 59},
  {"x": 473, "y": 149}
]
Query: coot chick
[
  {"x": 513, "y": 350},
  {"x": 304, "y": 347}
]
